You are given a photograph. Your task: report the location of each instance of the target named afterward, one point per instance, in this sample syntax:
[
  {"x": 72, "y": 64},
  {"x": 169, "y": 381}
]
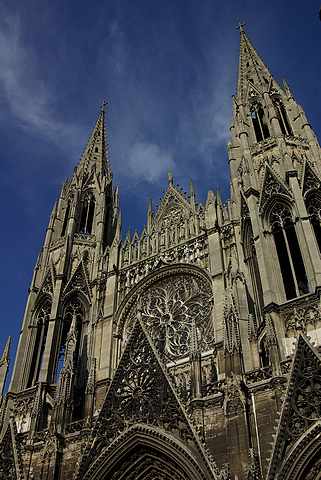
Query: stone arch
[
  {"x": 270, "y": 205},
  {"x": 186, "y": 277},
  {"x": 143, "y": 451},
  {"x": 281, "y": 220},
  {"x": 304, "y": 459},
  {"x": 39, "y": 323},
  {"x": 313, "y": 206},
  {"x": 75, "y": 302}
]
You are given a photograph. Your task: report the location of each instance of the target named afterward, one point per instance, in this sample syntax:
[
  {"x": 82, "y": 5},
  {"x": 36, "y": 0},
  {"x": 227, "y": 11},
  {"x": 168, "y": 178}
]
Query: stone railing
[
  {"x": 74, "y": 427},
  {"x": 213, "y": 388},
  {"x": 258, "y": 375},
  {"x": 84, "y": 237}
]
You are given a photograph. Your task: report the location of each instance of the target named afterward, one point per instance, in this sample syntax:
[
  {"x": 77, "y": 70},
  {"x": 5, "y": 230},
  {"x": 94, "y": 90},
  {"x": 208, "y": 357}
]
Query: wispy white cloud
[
  {"x": 148, "y": 161},
  {"x": 24, "y": 91}
]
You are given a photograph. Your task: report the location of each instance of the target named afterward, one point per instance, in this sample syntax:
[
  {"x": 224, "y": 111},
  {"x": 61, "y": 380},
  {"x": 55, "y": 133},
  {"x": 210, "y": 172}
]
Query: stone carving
[
  {"x": 253, "y": 469},
  {"x": 258, "y": 375},
  {"x": 227, "y": 232},
  {"x": 302, "y": 405},
  {"x": 48, "y": 284},
  {"x": 234, "y": 398},
  {"x": 137, "y": 395},
  {"x": 299, "y": 318},
  {"x": 79, "y": 281},
  {"x": 168, "y": 309},
  {"x": 311, "y": 181},
  {"x": 271, "y": 186},
  {"x": 194, "y": 253},
  {"x": 7, "y": 463}
]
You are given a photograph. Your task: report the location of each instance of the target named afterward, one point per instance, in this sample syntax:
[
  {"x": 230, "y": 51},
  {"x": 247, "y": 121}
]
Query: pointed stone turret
[
  {"x": 149, "y": 216},
  {"x": 252, "y": 69},
  {"x": 192, "y": 194},
  {"x": 4, "y": 364},
  {"x": 96, "y": 153}
]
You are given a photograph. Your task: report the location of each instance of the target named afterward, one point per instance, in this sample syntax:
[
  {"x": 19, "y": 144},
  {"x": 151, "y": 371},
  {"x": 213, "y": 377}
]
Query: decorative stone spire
[
  {"x": 4, "y": 364},
  {"x": 251, "y": 68},
  {"x": 96, "y": 151},
  {"x": 191, "y": 194}
]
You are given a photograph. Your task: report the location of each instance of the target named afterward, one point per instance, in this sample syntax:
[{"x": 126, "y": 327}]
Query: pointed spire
[
  {"x": 96, "y": 149},
  {"x": 191, "y": 194},
  {"x": 251, "y": 67},
  {"x": 170, "y": 177},
  {"x": 4, "y": 364},
  {"x": 5, "y": 354},
  {"x": 149, "y": 216}
]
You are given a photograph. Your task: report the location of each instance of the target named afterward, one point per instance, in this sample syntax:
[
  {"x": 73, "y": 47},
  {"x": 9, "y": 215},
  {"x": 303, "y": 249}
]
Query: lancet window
[
  {"x": 41, "y": 328},
  {"x": 264, "y": 354},
  {"x": 250, "y": 258},
  {"x": 87, "y": 213},
  {"x": 282, "y": 117},
  {"x": 72, "y": 310},
  {"x": 66, "y": 218},
  {"x": 288, "y": 251},
  {"x": 259, "y": 122}
]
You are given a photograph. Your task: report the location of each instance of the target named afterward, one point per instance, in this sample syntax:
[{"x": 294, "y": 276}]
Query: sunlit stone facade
[{"x": 189, "y": 350}]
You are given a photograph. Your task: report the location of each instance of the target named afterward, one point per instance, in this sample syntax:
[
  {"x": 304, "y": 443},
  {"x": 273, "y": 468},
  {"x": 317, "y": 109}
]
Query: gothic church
[{"x": 190, "y": 351}]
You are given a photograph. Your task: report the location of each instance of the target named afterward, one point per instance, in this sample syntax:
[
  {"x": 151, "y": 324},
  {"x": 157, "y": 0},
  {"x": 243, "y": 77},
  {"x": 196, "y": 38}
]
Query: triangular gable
[
  {"x": 79, "y": 281},
  {"x": 10, "y": 458},
  {"x": 310, "y": 179},
  {"x": 173, "y": 204},
  {"x": 48, "y": 282},
  {"x": 302, "y": 404},
  {"x": 272, "y": 185},
  {"x": 142, "y": 393},
  {"x": 252, "y": 90}
]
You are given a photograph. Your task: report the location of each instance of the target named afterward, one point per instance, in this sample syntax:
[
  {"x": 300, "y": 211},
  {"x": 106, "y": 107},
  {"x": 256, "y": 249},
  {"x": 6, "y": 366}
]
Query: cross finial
[
  {"x": 241, "y": 26},
  {"x": 104, "y": 105}
]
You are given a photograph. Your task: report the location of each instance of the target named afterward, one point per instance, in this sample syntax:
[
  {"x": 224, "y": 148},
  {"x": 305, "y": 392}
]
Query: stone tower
[{"x": 186, "y": 350}]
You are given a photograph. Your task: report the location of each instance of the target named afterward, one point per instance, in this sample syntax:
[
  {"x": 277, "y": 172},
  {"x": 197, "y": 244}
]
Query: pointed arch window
[
  {"x": 87, "y": 213},
  {"x": 41, "y": 327},
  {"x": 288, "y": 251},
  {"x": 259, "y": 122},
  {"x": 66, "y": 218},
  {"x": 264, "y": 353},
  {"x": 250, "y": 259},
  {"x": 73, "y": 307},
  {"x": 314, "y": 211},
  {"x": 282, "y": 116}
]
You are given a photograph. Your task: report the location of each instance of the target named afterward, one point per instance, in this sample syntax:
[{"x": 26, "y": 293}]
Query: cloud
[
  {"x": 22, "y": 88},
  {"x": 148, "y": 161}
]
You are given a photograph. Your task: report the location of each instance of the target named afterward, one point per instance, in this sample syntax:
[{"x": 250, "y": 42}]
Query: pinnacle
[{"x": 6, "y": 350}]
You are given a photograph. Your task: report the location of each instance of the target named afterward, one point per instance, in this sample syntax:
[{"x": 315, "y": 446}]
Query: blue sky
[{"x": 168, "y": 70}]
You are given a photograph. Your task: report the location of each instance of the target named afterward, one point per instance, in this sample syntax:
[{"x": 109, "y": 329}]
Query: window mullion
[{"x": 260, "y": 123}]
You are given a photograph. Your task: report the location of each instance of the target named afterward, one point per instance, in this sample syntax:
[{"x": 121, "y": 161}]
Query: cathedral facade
[{"x": 190, "y": 351}]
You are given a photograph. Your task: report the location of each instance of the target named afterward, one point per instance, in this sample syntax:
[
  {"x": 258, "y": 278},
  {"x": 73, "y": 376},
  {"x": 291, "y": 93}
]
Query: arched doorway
[{"x": 147, "y": 453}]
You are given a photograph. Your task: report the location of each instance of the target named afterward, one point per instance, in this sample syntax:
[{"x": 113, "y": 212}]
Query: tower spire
[
  {"x": 96, "y": 151},
  {"x": 252, "y": 69}
]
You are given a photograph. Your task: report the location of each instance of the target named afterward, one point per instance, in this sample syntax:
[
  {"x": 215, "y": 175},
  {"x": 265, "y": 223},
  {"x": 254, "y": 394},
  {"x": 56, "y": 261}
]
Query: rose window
[{"x": 175, "y": 309}]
